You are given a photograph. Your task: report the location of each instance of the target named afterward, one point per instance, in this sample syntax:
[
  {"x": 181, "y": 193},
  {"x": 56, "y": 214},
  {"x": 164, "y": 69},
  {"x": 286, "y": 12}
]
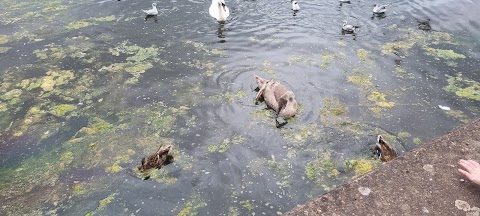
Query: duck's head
[
  {"x": 221, "y": 3},
  {"x": 344, "y": 22},
  {"x": 154, "y": 4},
  {"x": 295, "y": 2}
]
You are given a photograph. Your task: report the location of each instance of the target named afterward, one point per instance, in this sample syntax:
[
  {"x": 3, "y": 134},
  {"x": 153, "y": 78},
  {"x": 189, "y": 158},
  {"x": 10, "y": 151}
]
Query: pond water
[{"x": 88, "y": 88}]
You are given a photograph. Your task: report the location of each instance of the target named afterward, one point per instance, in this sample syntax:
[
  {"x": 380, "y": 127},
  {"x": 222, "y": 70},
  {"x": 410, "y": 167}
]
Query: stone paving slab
[{"x": 424, "y": 181}]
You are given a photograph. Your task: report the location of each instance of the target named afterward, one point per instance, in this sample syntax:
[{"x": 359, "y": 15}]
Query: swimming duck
[
  {"x": 384, "y": 150},
  {"x": 348, "y": 28},
  {"x": 424, "y": 25},
  {"x": 378, "y": 9},
  {"x": 153, "y": 11},
  {"x": 219, "y": 10},
  {"x": 295, "y": 5},
  {"x": 276, "y": 97},
  {"x": 155, "y": 160}
]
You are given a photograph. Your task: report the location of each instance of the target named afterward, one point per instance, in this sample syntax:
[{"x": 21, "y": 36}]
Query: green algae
[
  {"x": 62, "y": 109},
  {"x": 379, "y": 99},
  {"x": 458, "y": 114},
  {"x": 188, "y": 93},
  {"x": 162, "y": 176},
  {"x": 301, "y": 134},
  {"x": 192, "y": 206},
  {"x": 4, "y": 49},
  {"x": 363, "y": 54},
  {"x": 226, "y": 143},
  {"x": 217, "y": 52},
  {"x": 404, "y": 135},
  {"x": 246, "y": 204},
  {"x": 361, "y": 166},
  {"x": 417, "y": 141},
  {"x": 78, "y": 24},
  {"x": 232, "y": 211},
  {"x": 441, "y": 54},
  {"x": 319, "y": 168},
  {"x": 114, "y": 168},
  {"x": 463, "y": 87},
  {"x": 361, "y": 79},
  {"x": 97, "y": 125},
  {"x": 4, "y": 39},
  {"x": 333, "y": 112},
  {"x": 104, "y": 202},
  {"x": 412, "y": 38},
  {"x": 230, "y": 97},
  {"x": 76, "y": 48}
]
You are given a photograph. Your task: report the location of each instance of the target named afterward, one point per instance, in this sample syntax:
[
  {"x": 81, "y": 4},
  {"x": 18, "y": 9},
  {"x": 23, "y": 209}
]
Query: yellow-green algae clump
[
  {"x": 416, "y": 38},
  {"x": 361, "y": 166},
  {"x": 463, "y": 87},
  {"x": 192, "y": 206},
  {"x": 78, "y": 24},
  {"x": 226, "y": 143}
]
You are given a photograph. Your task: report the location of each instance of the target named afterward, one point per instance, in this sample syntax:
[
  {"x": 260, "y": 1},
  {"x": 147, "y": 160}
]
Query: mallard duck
[
  {"x": 276, "y": 97},
  {"x": 295, "y": 6},
  {"x": 424, "y": 25},
  {"x": 384, "y": 150},
  {"x": 378, "y": 9},
  {"x": 219, "y": 10},
  {"x": 348, "y": 28},
  {"x": 155, "y": 160},
  {"x": 153, "y": 11}
]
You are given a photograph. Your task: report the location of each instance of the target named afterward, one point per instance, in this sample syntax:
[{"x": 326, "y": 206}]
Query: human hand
[{"x": 472, "y": 170}]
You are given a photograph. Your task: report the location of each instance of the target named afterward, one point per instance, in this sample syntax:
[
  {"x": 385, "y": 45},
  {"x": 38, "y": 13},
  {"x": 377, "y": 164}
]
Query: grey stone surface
[{"x": 424, "y": 181}]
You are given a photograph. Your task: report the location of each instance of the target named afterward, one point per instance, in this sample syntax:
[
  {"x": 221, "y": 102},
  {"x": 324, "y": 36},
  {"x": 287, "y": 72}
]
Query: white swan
[
  {"x": 295, "y": 6},
  {"x": 152, "y": 11},
  {"x": 219, "y": 10},
  {"x": 378, "y": 9},
  {"x": 348, "y": 28}
]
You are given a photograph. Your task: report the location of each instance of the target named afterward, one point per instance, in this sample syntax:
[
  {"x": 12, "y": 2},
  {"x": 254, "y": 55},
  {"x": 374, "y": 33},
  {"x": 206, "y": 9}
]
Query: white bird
[
  {"x": 295, "y": 6},
  {"x": 348, "y": 28},
  {"x": 378, "y": 9},
  {"x": 219, "y": 10},
  {"x": 152, "y": 11}
]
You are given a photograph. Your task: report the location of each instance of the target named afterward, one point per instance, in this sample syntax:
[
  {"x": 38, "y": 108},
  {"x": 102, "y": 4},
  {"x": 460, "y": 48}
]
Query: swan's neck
[{"x": 221, "y": 12}]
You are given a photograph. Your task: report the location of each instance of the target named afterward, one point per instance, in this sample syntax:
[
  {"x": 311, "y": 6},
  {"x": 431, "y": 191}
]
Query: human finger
[
  {"x": 474, "y": 163},
  {"x": 466, "y": 165},
  {"x": 465, "y": 173}
]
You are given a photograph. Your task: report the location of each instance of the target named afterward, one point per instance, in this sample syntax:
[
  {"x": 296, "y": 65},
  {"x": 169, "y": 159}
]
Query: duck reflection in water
[{"x": 154, "y": 17}]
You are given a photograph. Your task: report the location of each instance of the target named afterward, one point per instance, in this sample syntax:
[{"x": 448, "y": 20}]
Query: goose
[
  {"x": 378, "y": 9},
  {"x": 348, "y": 28},
  {"x": 153, "y": 11},
  {"x": 219, "y": 10},
  {"x": 295, "y": 6}
]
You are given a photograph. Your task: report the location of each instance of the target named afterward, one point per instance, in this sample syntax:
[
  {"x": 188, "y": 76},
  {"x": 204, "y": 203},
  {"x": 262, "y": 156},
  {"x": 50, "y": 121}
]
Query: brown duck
[
  {"x": 276, "y": 97},
  {"x": 156, "y": 160},
  {"x": 384, "y": 150}
]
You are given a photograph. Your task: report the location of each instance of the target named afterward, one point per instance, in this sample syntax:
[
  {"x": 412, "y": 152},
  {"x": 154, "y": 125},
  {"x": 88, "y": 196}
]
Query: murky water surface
[{"x": 88, "y": 88}]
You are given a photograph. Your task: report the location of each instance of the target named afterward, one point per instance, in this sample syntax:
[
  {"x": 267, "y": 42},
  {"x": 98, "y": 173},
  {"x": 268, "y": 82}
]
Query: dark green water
[{"x": 88, "y": 88}]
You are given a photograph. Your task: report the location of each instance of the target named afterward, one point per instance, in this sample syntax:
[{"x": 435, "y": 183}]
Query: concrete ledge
[{"x": 424, "y": 181}]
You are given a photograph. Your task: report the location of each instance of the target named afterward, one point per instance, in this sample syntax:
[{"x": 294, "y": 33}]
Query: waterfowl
[
  {"x": 378, "y": 9},
  {"x": 344, "y": 1},
  {"x": 155, "y": 160},
  {"x": 153, "y": 11},
  {"x": 348, "y": 28},
  {"x": 424, "y": 25},
  {"x": 384, "y": 150},
  {"x": 276, "y": 97},
  {"x": 295, "y": 5},
  {"x": 219, "y": 10}
]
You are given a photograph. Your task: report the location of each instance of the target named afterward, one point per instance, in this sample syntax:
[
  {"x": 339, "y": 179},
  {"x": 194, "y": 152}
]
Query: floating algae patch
[
  {"x": 96, "y": 125},
  {"x": 78, "y": 48},
  {"x": 88, "y": 22},
  {"x": 104, "y": 202},
  {"x": 4, "y": 49},
  {"x": 458, "y": 114},
  {"x": 114, "y": 168},
  {"x": 246, "y": 204},
  {"x": 188, "y": 93},
  {"x": 463, "y": 87},
  {"x": 301, "y": 134},
  {"x": 417, "y": 141},
  {"x": 441, "y": 54},
  {"x": 333, "y": 111},
  {"x": 402, "y": 47},
  {"x": 379, "y": 99},
  {"x": 230, "y": 97},
  {"x": 225, "y": 144},
  {"x": 363, "y": 54},
  {"x": 361, "y": 166},
  {"x": 404, "y": 135},
  {"x": 192, "y": 206},
  {"x": 4, "y": 39},
  {"x": 361, "y": 79},
  {"x": 320, "y": 169}
]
